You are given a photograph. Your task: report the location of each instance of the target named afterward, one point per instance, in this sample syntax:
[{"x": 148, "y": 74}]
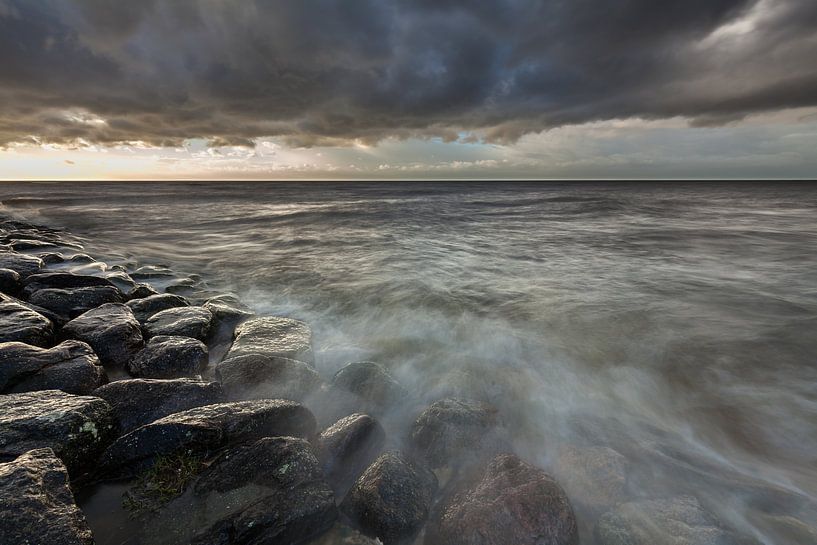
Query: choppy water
[{"x": 675, "y": 322}]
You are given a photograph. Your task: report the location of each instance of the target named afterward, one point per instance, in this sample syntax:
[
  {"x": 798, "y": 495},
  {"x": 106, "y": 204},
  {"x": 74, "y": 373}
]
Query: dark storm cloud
[{"x": 327, "y": 71}]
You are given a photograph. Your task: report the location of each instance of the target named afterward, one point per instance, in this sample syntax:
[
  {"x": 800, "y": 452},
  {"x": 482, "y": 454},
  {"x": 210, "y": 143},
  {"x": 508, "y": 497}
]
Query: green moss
[{"x": 166, "y": 480}]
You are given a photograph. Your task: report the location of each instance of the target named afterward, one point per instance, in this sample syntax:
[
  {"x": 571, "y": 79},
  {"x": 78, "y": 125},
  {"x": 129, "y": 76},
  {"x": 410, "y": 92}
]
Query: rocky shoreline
[{"x": 206, "y": 413}]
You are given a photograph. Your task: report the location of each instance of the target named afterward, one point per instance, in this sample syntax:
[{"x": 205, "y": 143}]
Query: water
[{"x": 674, "y": 322}]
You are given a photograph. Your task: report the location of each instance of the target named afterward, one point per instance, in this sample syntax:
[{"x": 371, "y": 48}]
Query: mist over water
[{"x": 676, "y": 323}]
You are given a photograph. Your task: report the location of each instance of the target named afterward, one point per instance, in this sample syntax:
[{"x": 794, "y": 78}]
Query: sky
[{"x": 418, "y": 89}]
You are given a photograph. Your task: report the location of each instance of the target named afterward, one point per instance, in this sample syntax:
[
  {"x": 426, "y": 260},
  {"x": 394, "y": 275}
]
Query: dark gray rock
[
  {"x": 71, "y": 367},
  {"x": 227, "y": 309},
  {"x": 52, "y": 258},
  {"x": 19, "y": 323},
  {"x": 347, "y": 447},
  {"x": 205, "y": 429},
  {"x": 121, "y": 280},
  {"x": 260, "y": 377},
  {"x": 450, "y": 430},
  {"x": 595, "y": 477},
  {"x": 392, "y": 499},
  {"x": 141, "y": 291},
  {"x": 9, "y": 281},
  {"x": 77, "y": 428},
  {"x": 169, "y": 357},
  {"x": 58, "y": 320},
  {"x": 22, "y": 245},
  {"x": 112, "y": 332},
  {"x": 137, "y": 402},
  {"x": 151, "y": 272},
  {"x": 24, "y": 265},
  {"x": 75, "y": 301},
  {"x": 38, "y": 507},
  {"x": 509, "y": 502},
  {"x": 146, "y": 307},
  {"x": 61, "y": 280},
  {"x": 194, "y": 322},
  {"x": 371, "y": 382},
  {"x": 665, "y": 522},
  {"x": 273, "y": 337}
]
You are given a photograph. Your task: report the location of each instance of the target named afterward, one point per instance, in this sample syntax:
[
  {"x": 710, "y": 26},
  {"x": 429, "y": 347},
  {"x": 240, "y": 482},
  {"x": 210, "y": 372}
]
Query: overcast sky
[{"x": 408, "y": 89}]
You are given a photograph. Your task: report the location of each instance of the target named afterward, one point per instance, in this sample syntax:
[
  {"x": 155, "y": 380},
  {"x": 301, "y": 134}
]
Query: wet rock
[
  {"x": 37, "y": 504},
  {"x": 509, "y": 502},
  {"x": 595, "y": 477},
  {"x": 151, "y": 272},
  {"x": 57, "y": 319},
  {"x": 258, "y": 377},
  {"x": 664, "y": 522},
  {"x": 111, "y": 330},
  {"x": 22, "y": 245},
  {"x": 273, "y": 337},
  {"x": 77, "y": 428},
  {"x": 452, "y": 429},
  {"x": 205, "y": 429},
  {"x": 141, "y": 291},
  {"x": 24, "y": 265},
  {"x": 227, "y": 309},
  {"x": 9, "y": 281},
  {"x": 371, "y": 382},
  {"x": 71, "y": 367},
  {"x": 61, "y": 280},
  {"x": 52, "y": 258},
  {"x": 148, "y": 306},
  {"x": 392, "y": 499},
  {"x": 166, "y": 357},
  {"x": 75, "y": 301},
  {"x": 192, "y": 322},
  {"x": 137, "y": 402},
  {"x": 348, "y": 446},
  {"x": 19, "y": 323}
]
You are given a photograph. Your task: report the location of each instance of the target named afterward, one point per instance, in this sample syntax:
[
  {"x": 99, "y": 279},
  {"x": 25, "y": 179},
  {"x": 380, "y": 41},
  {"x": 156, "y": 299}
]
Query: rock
[
  {"x": 340, "y": 534},
  {"x": 21, "y": 245},
  {"x": 205, "y": 429},
  {"x": 371, "y": 382},
  {"x": 112, "y": 332},
  {"x": 664, "y": 522},
  {"x": 257, "y": 377},
  {"x": 37, "y": 504},
  {"x": 148, "y": 306},
  {"x": 141, "y": 291},
  {"x": 77, "y": 428},
  {"x": 75, "y": 301},
  {"x": 509, "y": 502},
  {"x": 52, "y": 258},
  {"x": 151, "y": 272},
  {"x": 58, "y": 320},
  {"x": 451, "y": 429},
  {"x": 228, "y": 309},
  {"x": 271, "y": 491},
  {"x": 24, "y": 265},
  {"x": 71, "y": 367},
  {"x": 169, "y": 357},
  {"x": 61, "y": 280},
  {"x": 273, "y": 337},
  {"x": 121, "y": 280},
  {"x": 9, "y": 281},
  {"x": 137, "y": 402},
  {"x": 18, "y": 323},
  {"x": 183, "y": 321},
  {"x": 392, "y": 499},
  {"x": 595, "y": 477},
  {"x": 348, "y": 446}
]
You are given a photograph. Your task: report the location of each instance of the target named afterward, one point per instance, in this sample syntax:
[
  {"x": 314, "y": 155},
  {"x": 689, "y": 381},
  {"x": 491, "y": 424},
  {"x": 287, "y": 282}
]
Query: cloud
[{"x": 334, "y": 72}]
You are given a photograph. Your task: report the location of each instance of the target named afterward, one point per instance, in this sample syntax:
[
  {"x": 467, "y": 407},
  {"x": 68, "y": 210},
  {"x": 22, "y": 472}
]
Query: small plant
[{"x": 166, "y": 480}]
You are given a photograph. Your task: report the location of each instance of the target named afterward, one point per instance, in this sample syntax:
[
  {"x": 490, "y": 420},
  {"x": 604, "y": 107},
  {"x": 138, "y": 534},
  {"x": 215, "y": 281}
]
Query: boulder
[
  {"x": 254, "y": 376},
  {"x": 392, "y": 499},
  {"x": 273, "y": 337},
  {"x": 58, "y": 320},
  {"x": 61, "y": 280},
  {"x": 71, "y": 367},
  {"x": 204, "y": 430},
  {"x": 191, "y": 322},
  {"x": 112, "y": 332},
  {"x": 24, "y": 265},
  {"x": 9, "y": 281},
  {"x": 227, "y": 309},
  {"x": 665, "y": 522},
  {"x": 371, "y": 382},
  {"x": 75, "y": 301},
  {"x": 141, "y": 291},
  {"x": 146, "y": 307},
  {"x": 22, "y": 245},
  {"x": 508, "y": 502},
  {"x": 452, "y": 429},
  {"x": 21, "y": 324},
  {"x": 52, "y": 258},
  {"x": 151, "y": 272},
  {"x": 595, "y": 477},
  {"x": 36, "y": 503},
  {"x": 169, "y": 357},
  {"x": 347, "y": 447},
  {"x": 77, "y": 428},
  {"x": 137, "y": 402},
  {"x": 270, "y": 491}
]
